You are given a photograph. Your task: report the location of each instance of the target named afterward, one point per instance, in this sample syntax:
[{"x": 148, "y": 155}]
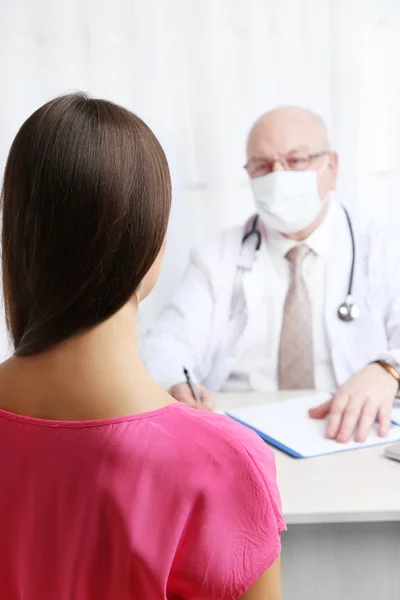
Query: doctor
[{"x": 305, "y": 295}]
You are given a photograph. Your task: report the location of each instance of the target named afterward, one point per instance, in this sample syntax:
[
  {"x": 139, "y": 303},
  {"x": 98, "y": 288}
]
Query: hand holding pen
[
  {"x": 193, "y": 394},
  {"x": 192, "y": 387}
]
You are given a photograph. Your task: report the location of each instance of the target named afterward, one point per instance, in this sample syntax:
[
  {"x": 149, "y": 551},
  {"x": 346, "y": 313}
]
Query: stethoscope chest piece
[{"x": 348, "y": 311}]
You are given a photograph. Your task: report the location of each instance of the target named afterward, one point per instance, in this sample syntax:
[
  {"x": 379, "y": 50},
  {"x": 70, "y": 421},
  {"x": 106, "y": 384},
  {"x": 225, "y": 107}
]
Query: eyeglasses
[{"x": 297, "y": 160}]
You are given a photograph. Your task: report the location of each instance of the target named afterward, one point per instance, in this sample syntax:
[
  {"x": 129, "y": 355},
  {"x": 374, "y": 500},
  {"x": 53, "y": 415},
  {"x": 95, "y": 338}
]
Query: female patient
[{"x": 109, "y": 489}]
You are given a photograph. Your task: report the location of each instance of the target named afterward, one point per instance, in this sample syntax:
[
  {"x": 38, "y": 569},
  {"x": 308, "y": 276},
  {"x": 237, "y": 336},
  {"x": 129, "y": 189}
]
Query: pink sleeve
[{"x": 232, "y": 535}]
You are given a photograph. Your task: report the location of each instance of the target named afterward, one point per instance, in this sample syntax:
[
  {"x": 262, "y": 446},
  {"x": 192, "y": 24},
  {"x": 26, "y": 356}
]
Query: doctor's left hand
[{"x": 365, "y": 398}]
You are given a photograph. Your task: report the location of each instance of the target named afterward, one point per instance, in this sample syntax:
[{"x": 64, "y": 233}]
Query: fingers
[
  {"x": 367, "y": 419},
  {"x": 182, "y": 393},
  {"x": 338, "y": 406},
  {"x": 187, "y": 399},
  {"x": 384, "y": 419},
  {"x": 349, "y": 418},
  {"x": 359, "y": 414},
  {"x": 356, "y": 406},
  {"x": 207, "y": 398},
  {"x": 321, "y": 411}
]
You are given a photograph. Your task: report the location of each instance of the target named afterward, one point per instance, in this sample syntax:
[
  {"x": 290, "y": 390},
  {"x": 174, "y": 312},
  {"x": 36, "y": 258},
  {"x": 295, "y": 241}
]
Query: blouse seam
[{"x": 24, "y": 420}]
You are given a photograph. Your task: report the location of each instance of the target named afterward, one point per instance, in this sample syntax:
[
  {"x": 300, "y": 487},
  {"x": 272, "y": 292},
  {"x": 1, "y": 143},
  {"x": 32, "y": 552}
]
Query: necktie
[{"x": 296, "y": 358}]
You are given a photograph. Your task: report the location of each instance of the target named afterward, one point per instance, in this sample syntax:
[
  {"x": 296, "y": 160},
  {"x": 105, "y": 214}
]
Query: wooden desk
[{"x": 343, "y": 516}]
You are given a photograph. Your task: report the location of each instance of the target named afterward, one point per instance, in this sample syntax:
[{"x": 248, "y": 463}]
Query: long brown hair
[{"x": 86, "y": 201}]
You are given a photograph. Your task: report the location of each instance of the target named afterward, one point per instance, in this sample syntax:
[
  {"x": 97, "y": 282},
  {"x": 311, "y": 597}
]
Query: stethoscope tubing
[{"x": 347, "y": 304}]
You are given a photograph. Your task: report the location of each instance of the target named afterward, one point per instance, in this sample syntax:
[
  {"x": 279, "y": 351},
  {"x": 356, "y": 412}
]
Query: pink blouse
[{"x": 171, "y": 504}]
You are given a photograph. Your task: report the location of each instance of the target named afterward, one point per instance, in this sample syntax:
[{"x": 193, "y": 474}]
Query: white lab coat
[{"x": 194, "y": 329}]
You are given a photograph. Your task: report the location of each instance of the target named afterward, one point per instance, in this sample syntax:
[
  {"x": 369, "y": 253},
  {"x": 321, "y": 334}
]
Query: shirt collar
[{"x": 319, "y": 241}]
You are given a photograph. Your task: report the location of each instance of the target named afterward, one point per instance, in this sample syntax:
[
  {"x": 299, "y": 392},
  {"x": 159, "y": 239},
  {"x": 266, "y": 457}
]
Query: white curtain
[{"x": 200, "y": 72}]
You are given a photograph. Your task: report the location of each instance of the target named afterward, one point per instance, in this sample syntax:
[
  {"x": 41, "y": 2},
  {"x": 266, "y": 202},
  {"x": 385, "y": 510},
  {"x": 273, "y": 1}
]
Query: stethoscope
[{"x": 348, "y": 311}]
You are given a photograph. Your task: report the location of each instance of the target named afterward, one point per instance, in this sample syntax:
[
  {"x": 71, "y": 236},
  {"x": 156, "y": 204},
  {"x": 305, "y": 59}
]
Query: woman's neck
[{"x": 95, "y": 375}]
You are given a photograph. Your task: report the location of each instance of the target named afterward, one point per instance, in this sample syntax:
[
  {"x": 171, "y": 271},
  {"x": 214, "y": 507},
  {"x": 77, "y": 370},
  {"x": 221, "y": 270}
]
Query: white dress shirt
[{"x": 266, "y": 288}]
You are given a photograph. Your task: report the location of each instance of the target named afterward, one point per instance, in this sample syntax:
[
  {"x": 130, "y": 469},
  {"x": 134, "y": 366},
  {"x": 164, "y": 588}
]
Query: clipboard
[{"x": 286, "y": 426}]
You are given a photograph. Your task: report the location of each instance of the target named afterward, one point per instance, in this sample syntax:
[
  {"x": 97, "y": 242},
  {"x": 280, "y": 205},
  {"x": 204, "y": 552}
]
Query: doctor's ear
[
  {"x": 331, "y": 172},
  {"x": 333, "y": 164}
]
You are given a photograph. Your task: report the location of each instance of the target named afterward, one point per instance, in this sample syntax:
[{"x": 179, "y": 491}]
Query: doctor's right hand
[{"x": 182, "y": 393}]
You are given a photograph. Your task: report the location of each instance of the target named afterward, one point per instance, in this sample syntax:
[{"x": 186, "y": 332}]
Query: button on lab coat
[{"x": 195, "y": 329}]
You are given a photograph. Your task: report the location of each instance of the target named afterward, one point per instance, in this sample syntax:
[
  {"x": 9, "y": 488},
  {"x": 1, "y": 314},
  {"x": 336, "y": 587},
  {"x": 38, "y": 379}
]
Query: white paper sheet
[{"x": 288, "y": 424}]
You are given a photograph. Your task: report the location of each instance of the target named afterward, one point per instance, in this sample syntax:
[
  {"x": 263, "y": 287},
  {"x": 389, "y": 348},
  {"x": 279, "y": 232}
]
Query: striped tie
[{"x": 296, "y": 357}]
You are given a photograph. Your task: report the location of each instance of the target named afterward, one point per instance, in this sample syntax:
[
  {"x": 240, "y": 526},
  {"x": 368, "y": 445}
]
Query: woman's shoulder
[
  {"x": 209, "y": 453},
  {"x": 216, "y": 452},
  {"x": 200, "y": 434},
  {"x": 233, "y": 512}
]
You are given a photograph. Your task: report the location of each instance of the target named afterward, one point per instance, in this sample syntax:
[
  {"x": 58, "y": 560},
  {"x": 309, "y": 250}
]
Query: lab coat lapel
[
  {"x": 255, "y": 281},
  {"x": 236, "y": 310}
]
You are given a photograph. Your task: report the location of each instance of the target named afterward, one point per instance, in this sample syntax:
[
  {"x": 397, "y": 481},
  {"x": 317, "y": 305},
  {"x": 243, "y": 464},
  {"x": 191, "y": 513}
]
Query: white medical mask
[{"x": 287, "y": 201}]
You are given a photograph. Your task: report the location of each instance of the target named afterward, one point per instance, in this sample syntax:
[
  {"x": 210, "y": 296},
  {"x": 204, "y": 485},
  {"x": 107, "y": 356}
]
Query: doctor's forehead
[{"x": 284, "y": 129}]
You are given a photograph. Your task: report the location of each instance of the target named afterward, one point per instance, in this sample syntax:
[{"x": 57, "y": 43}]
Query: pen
[{"x": 195, "y": 393}]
